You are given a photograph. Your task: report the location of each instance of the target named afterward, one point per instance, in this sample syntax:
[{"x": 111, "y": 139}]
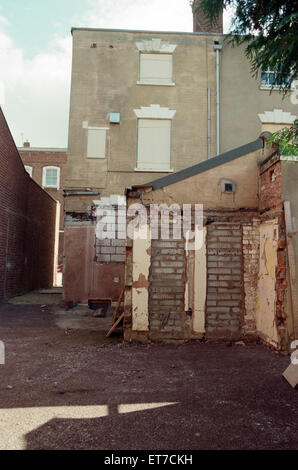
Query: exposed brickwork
[
  {"x": 224, "y": 314},
  {"x": 251, "y": 253},
  {"x": 167, "y": 286},
  {"x": 27, "y": 224},
  {"x": 110, "y": 251},
  {"x": 271, "y": 207},
  {"x": 271, "y": 188},
  {"x": 38, "y": 159}
]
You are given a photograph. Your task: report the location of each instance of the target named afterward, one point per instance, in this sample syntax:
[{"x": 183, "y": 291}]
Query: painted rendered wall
[
  {"x": 104, "y": 80},
  {"x": 140, "y": 275},
  {"x": 265, "y": 314},
  {"x": 242, "y": 99},
  {"x": 204, "y": 189},
  {"x": 289, "y": 193},
  {"x": 200, "y": 287}
]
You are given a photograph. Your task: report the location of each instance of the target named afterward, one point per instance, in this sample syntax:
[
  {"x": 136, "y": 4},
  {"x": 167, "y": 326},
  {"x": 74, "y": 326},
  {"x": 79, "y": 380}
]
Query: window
[
  {"x": 29, "y": 170},
  {"x": 154, "y": 144},
  {"x": 271, "y": 78},
  {"x": 156, "y": 69},
  {"x": 154, "y": 138},
  {"x": 51, "y": 177},
  {"x": 96, "y": 147},
  {"x": 156, "y": 62}
]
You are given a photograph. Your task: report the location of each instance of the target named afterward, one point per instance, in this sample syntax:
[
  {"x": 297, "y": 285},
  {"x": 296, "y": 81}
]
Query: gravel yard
[{"x": 65, "y": 386}]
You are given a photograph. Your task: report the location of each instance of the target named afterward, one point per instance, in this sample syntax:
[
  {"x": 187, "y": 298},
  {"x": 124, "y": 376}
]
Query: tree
[{"x": 269, "y": 28}]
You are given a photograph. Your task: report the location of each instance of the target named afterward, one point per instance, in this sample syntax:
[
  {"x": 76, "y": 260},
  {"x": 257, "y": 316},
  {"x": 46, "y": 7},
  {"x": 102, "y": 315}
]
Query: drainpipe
[
  {"x": 217, "y": 48},
  {"x": 209, "y": 121}
]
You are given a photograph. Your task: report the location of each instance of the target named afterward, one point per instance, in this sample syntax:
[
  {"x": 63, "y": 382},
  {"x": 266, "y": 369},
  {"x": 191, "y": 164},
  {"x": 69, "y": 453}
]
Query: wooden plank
[
  {"x": 115, "y": 324},
  {"x": 117, "y": 306},
  {"x": 292, "y": 266}
]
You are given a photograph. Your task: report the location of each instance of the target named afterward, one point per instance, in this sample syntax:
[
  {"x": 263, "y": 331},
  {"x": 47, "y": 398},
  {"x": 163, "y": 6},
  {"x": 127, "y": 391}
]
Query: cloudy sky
[{"x": 35, "y": 55}]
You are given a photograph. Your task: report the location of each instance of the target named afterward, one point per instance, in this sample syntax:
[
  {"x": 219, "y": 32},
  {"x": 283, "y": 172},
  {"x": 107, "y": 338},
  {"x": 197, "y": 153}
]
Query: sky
[{"x": 35, "y": 55}]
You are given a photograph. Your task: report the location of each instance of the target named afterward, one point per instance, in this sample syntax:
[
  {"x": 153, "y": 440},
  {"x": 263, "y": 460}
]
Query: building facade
[{"x": 144, "y": 105}]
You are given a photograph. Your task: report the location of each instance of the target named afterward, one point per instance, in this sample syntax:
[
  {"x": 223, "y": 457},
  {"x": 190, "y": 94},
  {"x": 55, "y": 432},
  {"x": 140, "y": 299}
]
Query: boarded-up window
[
  {"x": 96, "y": 143},
  {"x": 156, "y": 68},
  {"x": 154, "y": 144}
]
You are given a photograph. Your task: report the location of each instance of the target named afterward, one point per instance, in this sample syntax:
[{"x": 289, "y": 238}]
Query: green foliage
[
  {"x": 268, "y": 27},
  {"x": 287, "y": 139}
]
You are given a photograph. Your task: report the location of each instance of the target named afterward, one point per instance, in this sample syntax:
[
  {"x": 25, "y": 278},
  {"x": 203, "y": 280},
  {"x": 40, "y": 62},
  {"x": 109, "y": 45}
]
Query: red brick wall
[
  {"x": 27, "y": 224},
  {"x": 270, "y": 187},
  {"x": 38, "y": 160}
]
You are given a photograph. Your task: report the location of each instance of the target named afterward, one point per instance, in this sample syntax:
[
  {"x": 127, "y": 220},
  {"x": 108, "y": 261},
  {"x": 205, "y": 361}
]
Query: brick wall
[
  {"x": 27, "y": 224},
  {"x": 251, "y": 253},
  {"x": 270, "y": 187},
  {"x": 167, "y": 286},
  {"x": 110, "y": 251},
  {"x": 38, "y": 159},
  {"x": 224, "y": 314}
]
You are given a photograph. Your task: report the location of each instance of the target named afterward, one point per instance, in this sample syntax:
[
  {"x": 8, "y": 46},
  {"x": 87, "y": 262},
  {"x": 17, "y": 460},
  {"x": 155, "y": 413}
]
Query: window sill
[
  {"x": 275, "y": 88},
  {"x": 156, "y": 83},
  {"x": 146, "y": 170}
]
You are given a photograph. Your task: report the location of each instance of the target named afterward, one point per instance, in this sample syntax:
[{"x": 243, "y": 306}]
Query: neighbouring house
[
  {"x": 47, "y": 166},
  {"x": 29, "y": 225},
  {"x": 243, "y": 279},
  {"x": 143, "y": 105}
]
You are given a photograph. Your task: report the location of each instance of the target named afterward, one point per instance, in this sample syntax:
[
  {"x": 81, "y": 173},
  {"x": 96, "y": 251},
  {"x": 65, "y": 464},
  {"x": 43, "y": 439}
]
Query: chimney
[
  {"x": 27, "y": 144},
  {"x": 201, "y": 24}
]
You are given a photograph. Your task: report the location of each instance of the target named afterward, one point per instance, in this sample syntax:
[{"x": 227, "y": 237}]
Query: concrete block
[
  {"x": 117, "y": 258},
  {"x": 291, "y": 375},
  {"x": 107, "y": 250},
  {"x": 104, "y": 258},
  {"x": 118, "y": 242}
]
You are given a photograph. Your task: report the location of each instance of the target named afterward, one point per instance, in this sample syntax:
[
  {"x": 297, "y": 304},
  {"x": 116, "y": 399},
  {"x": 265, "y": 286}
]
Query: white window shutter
[
  {"x": 156, "y": 68},
  {"x": 96, "y": 143},
  {"x": 154, "y": 144}
]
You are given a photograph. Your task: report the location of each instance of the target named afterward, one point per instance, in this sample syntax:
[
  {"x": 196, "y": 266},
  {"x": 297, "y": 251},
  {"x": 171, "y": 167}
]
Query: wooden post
[{"x": 292, "y": 266}]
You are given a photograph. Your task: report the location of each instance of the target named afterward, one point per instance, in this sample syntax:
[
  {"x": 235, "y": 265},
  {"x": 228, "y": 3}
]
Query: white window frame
[
  {"x": 29, "y": 170},
  {"x": 44, "y": 177},
  {"x": 264, "y": 86}
]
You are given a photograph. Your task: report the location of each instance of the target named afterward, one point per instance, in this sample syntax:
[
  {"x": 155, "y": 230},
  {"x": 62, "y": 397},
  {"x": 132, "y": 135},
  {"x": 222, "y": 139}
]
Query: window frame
[
  {"x": 264, "y": 86},
  {"x": 44, "y": 177}
]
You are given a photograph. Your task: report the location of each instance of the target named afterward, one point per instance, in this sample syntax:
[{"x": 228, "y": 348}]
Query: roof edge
[
  {"x": 207, "y": 164},
  {"x": 74, "y": 28}
]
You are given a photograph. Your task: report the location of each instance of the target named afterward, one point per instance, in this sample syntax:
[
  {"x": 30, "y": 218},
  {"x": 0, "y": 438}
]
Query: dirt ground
[{"x": 64, "y": 386}]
